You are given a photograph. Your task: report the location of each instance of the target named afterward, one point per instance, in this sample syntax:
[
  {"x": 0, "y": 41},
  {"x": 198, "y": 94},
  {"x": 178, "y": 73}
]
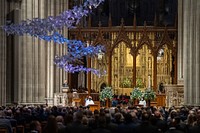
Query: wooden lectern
[
  {"x": 77, "y": 101},
  {"x": 94, "y": 107}
]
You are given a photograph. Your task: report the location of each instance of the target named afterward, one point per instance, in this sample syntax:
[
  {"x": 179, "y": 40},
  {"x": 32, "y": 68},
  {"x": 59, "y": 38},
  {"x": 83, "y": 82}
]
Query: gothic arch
[
  {"x": 99, "y": 39},
  {"x": 122, "y": 37},
  {"x": 149, "y": 45},
  {"x": 127, "y": 43},
  {"x": 145, "y": 40},
  {"x": 165, "y": 40}
]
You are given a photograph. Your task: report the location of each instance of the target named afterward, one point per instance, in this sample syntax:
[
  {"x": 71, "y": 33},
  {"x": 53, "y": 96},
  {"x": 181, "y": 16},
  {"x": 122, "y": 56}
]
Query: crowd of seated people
[
  {"x": 120, "y": 119},
  {"x": 120, "y": 99}
]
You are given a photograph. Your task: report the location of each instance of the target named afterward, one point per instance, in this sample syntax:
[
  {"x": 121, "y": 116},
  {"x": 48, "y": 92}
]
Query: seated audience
[
  {"x": 196, "y": 127},
  {"x": 122, "y": 118},
  {"x": 60, "y": 122},
  {"x": 5, "y": 123},
  {"x": 35, "y": 127},
  {"x": 51, "y": 126}
]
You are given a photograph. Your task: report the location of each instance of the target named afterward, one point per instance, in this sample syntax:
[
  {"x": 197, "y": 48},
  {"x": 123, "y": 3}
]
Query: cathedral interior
[
  {"x": 148, "y": 44},
  {"x": 127, "y": 32}
]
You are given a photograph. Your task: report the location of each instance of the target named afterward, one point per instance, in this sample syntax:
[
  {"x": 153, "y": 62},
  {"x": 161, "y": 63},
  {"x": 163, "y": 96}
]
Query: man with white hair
[{"x": 89, "y": 101}]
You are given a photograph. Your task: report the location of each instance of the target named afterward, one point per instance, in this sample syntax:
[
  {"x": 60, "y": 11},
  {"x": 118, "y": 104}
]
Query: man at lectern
[{"x": 89, "y": 101}]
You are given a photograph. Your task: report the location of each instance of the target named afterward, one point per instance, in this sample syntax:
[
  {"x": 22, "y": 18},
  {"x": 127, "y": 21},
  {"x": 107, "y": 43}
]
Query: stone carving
[
  {"x": 174, "y": 95},
  {"x": 60, "y": 99}
]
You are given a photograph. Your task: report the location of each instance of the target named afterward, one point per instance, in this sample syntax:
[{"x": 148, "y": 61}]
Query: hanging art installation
[{"x": 48, "y": 29}]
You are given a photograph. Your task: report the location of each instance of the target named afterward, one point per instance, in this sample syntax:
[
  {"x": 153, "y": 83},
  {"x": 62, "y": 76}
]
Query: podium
[
  {"x": 76, "y": 101},
  {"x": 94, "y": 107}
]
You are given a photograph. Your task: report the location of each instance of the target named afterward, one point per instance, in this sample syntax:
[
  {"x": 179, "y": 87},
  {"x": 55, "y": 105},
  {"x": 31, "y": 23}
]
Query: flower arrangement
[
  {"x": 126, "y": 83},
  {"x": 106, "y": 93},
  {"x": 139, "y": 83},
  {"x": 136, "y": 93},
  {"x": 149, "y": 94}
]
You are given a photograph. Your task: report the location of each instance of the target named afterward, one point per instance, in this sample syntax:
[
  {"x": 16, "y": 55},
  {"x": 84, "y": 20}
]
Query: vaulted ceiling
[{"x": 165, "y": 12}]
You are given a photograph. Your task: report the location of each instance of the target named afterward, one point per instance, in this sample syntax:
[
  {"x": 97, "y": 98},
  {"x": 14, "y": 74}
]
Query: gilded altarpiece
[{"x": 134, "y": 56}]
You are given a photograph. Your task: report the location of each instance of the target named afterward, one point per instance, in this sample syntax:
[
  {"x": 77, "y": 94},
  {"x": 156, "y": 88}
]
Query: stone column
[
  {"x": 41, "y": 58},
  {"x": 23, "y": 58},
  {"x": 197, "y": 50},
  {"x": 29, "y": 56},
  {"x": 13, "y": 56},
  {"x": 180, "y": 42},
  {"x": 59, "y": 74},
  {"x": 34, "y": 77},
  {"x": 191, "y": 60},
  {"x": 57, "y": 50},
  {"x": 36, "y": 45},
  {"x": 64, "y": 74},
  {"x": 39, "y": 78},
  {"x": 50, "y": 56},
  {"x": 3, "y": 9},
  {"x": 17, "y": 60}
]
